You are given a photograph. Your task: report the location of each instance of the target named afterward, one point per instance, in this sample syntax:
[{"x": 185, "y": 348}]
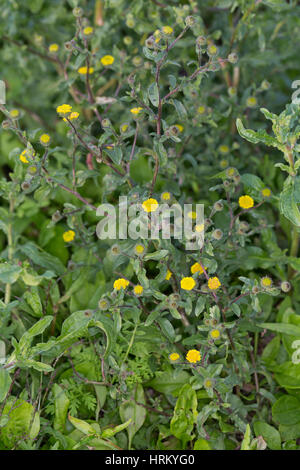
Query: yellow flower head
[
  {"x": 69, "y": 236},
  {"x": 121, "y": 283},
  {"x": 192, "y": 215},
  {"x": 266, "y": 281},
  {"x": 107, "y": 60},
  {"x": 139, "y": 249},
  {"x": 45, "y": 139},
  {"x": 168, "y": 275},
  {"x": 14, "y": 113},
  {"x": 215, "y": 334},
  {"x": 199, "y": 228},
  {"x": 251, "y": 102},
  {"x": 84, "y": 70},
  {"x": 64, "y": 109},
  {"x": 266, "y": 192},
  {"x": 166, "y": 196},
  {"x": 23, "y": 157},
  {"x": 136, "y": 110},
  {"x": 193, "y": 356},
  {"x": 167, "y": 30},
  {"x": 197, "y": 268},
  {"x": 53, "y": 47},
  {"x": 201, "y": 109},
  {"x": 88, "y": 30},
  {"x": 73, "y": 115},
  {"x": 26, "y": 153},
  {"x": 138, "y": 289},
  {"x": 223, "y": 163},
  {"x": 174, "y": 356},
  {"x": 224, "y": 149},
  {"x": 212, "y": 49},
  {"x": 150, "y": 205},
  {"x": 179, "y": 127},
  {"x": 246, "y": 202},
  {"x": 213, "y": 283},
  {"x": 187, "y": 283},
  {"x": 124, "y": 127}
]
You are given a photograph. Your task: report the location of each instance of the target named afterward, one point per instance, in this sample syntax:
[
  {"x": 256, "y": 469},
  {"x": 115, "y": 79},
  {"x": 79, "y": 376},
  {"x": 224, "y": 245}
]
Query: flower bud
[
  {"x": 25, "y": 185},
  {"x": 190, "y": 21},
  {"x": 78, "y": 12},
  {"x": 285, "y": 286},
  {"x": 56, "y": 216},
  {"x": 217, "y": 234},
  {"x": 218, "y": 206},
  {"x": 201, "y": 41},
  {"x": 232, "y": 58}
]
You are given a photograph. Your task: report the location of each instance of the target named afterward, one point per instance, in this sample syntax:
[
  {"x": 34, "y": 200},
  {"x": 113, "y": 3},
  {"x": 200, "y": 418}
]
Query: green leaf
[
  {"x": 185, "y": 414},
  {"x": 33, "y": 300},
  {"x": 288, "y": 205},
  {"x": 256, "y": 137},
  {"x": 286, "y": 410},
  {"x": 130, "y": 410},
  {"x": 169, "y": 382},
  {"x": 5, "y": 382},
  {"x": 202, "y": 444},
  {"x": 37, "y": 329},
  {"x": 285, "y": 328},
  {"x": 153, "y": 94},
  {"x": 61, "y": 405},
  {"x": 82, "y": 426},
  {"x": 9, "y": 273},
  {"x": 42, "y": 258},
  {"x": 107, "y": 433},
  {"x": 23, "y": 423},
  {"x": 269, "y": 434},
  {"x": 246, "y": 441}
]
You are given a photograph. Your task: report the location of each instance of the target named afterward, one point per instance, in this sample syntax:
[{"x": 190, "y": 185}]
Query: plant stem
[
  {"x": 10, "y": 249},
  {"x": 294, "y": 249}
]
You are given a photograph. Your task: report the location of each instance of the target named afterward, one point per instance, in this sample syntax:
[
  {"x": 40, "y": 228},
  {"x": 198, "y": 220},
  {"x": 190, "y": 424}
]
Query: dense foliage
[{"x": 140, "y": 343}]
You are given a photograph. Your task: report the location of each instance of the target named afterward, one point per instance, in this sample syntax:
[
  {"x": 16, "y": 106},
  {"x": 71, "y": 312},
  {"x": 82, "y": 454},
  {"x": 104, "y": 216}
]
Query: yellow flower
[
  {"x": 251, "y": 102},
  {"x": 136, "y": 110},
  {"x": 187, "y": 283},
  {"x": 150, "y": 205},
  {"x": 84, "y": 70},
  {"x": 53, "y": 47},
  {"x": 23, "y": 157},
  {"x": 73, "y": 115},
  {"x": 138, "y": 289},
  {"x": 212, "y": 49},
  {"x": 45, "y": 139},
  {"x": 215, "y": 334},
  {"x": 224, "y": 148},
  {"x": 26, "y": 153},
  {"x": 213, "y": 283},
  {"x": 166, "y": 196},
  {"x": 121, "y": 283},
  {"x": 266, "y": 281},
  {"x": 246, "y": 202},
  {"x": 14, "y": 113},
  {"x": 168, "y": 275},
  {"x": 199, "y": 228},
  {"x": 107, "y": 60},
  {"x": 167, "y": 29},
  {"x": 124, "y": 127},
  {"x": 174, "y": 356},
  {"x": 197, "y": 268},
  {"x": 192, "y": 215},
  {"x": 223, "y": 163},
  {"x": 179, "y": 127},
  {"x": 69, "y": 236},
  {"x": 193, "y": 356},
  {"x": 64, "y": 109},
  {"x": 266, "y": 192},
  {"x": 88, "y": 30},
  {"x": 139, "y": 249},
  {"x": 201, "y": 109}
]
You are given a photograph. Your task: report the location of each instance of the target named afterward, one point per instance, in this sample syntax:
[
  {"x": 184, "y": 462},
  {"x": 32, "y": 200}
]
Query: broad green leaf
[
  {"x": 61, "y": 405},
  {"x": 9, "y": 273},
  {"x": 185, "y": 414},
  {"x": 23, "y": 423},
  {"x": 269, "y": 434},
  {"x": 131, "y": 410},
  {"x": 285, "y": 328},
  {"x": 5, "y": 382},
  {"x": 288, "y": 205},
  {"x": 42, "y": 258},
  {"x": 107, "y": 433},
  {"x": 286, "y": 410},
  {"x": 82, "y": 426},
  {"x": 32, "y": 298},
  {"x": 246, "y": 441},
  {"x": 169, "y": 382}
]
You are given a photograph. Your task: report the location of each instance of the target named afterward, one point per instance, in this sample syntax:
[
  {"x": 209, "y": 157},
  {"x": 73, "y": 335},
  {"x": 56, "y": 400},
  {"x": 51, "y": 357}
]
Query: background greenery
[{"x": 86, "y": 366}]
